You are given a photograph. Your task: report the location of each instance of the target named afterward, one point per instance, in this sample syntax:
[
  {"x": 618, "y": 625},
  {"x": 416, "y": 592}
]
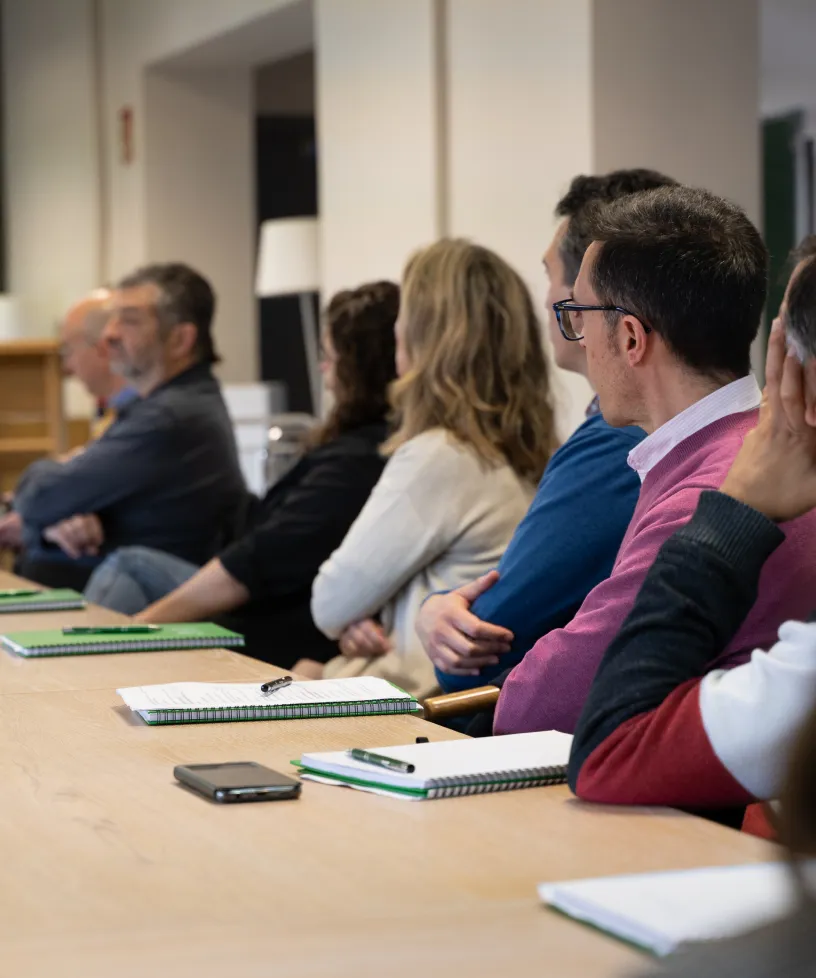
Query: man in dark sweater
[
  {"x": 166, "y": 473},
  {"x": 660, "y": 726}
]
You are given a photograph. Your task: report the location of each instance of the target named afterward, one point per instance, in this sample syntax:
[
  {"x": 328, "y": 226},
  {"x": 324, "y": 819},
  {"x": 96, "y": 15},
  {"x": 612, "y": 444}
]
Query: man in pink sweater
[{"x": 667, "y": 304}]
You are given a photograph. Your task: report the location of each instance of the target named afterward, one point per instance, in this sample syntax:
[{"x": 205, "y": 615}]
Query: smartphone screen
[{"x": 238, "y": 781}]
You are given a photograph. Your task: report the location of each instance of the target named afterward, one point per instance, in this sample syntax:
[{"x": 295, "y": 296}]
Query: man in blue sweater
[{"x": 567, "y": 542}]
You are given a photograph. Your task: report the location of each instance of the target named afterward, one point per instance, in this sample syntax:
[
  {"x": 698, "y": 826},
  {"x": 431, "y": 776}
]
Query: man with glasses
[
  {"x": 563, "y": 547},
  {"x": 84, "y": 355},
  {"x": 660, "y": 727},
  {"x": 166, "y": 473},
  {"x": 667, "y": 304}
]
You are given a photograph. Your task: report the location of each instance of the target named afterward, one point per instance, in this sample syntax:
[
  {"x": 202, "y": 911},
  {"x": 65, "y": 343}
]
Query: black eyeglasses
[{"x": 565, "y": 308}]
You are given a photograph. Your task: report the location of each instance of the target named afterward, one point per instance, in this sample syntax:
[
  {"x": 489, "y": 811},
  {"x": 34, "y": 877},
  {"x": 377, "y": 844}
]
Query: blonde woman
[{"x": 474, "y": 430}]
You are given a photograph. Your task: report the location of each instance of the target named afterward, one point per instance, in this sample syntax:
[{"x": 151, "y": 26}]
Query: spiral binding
[
  {"x": 142, "y": 645},
  {"x": 67, "y": 605},
  {"x": 496, "y": 781},
  {"x": 302, "y": 711}
]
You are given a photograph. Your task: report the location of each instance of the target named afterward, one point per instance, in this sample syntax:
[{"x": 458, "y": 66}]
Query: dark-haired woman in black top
[{"x": 261, "y": 585}]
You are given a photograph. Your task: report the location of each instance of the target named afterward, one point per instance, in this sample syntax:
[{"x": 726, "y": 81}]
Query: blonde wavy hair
[{"x": 476, "y": 363}]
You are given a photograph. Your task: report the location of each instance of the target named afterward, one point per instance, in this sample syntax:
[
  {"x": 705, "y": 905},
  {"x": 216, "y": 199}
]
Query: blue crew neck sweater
[{"x": 565, "y": 545}]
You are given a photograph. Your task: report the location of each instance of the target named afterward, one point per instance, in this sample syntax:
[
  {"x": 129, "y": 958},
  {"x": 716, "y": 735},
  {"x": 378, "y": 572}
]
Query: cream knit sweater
[{"x": 438, "y": 518}]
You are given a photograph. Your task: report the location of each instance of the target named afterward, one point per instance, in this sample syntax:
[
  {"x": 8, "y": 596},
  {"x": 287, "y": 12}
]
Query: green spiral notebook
[
  {"x": 33, "y": 599},
  {"x": 165, "y": 638},
  {"x": 222, "y": 702}
]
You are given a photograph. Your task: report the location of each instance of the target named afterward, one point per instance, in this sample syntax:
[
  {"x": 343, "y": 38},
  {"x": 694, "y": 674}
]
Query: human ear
[{"x": 635, "y": 339}]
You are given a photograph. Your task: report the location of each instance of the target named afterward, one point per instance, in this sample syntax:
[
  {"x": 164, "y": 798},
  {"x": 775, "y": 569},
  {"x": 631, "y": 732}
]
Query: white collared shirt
[{"x": 735, "y": 398}]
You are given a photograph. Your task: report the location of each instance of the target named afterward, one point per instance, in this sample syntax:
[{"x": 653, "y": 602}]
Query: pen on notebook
[
  {"x": 378, "y": 760},
  {"x": 110, "y": 629},
  {"x": 19, "y": 592},
  {"x": 275, "y": 684}
]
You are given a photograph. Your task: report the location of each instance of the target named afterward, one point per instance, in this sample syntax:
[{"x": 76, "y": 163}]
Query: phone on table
[{"x": 237, "y": 781}]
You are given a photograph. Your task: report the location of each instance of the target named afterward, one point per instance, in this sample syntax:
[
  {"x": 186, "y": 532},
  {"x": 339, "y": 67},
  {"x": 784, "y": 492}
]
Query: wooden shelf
[
  {"x": 27, "y": 446},
  {"x": 45, "y": 346}
]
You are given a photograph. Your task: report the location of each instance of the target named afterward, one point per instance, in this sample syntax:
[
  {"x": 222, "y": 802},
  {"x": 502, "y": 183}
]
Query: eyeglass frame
[{"x": 569, "y": 305}]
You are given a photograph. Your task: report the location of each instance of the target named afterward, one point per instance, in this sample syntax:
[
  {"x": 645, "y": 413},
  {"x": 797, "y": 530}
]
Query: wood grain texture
[{"x": 111, "y": 868}]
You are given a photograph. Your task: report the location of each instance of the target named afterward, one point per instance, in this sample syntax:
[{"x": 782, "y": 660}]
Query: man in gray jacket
[{"x": 166, "y": 473}]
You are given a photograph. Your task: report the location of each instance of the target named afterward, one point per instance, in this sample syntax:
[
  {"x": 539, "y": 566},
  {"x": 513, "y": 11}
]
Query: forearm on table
[{"x": 211, "y": 591}]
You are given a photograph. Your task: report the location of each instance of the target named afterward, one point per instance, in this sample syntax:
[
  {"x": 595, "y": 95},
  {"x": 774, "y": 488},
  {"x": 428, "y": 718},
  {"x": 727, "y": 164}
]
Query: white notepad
[
  {"x": 447, "y": 768},
  {"x": 213, "y": 702},
  {"x": 660, "y": 911}
]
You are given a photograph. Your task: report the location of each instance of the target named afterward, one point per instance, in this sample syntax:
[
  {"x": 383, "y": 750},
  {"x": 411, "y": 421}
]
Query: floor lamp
[{"x": 288, "y": 265}]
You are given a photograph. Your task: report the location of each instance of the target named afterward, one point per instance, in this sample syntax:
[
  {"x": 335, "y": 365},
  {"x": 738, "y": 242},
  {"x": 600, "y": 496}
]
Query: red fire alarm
[{"x": 126, "y": 134}]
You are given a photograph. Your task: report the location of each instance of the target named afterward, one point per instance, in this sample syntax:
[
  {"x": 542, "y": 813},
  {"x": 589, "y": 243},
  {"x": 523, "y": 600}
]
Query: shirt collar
[
  {"x": 121, "y": 399},
  {"x": 735, "y": 398},
  {"x": 594, "y": 407}
]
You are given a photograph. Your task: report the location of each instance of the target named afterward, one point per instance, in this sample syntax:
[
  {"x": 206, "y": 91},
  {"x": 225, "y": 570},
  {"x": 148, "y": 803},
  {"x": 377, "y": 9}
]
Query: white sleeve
[
  {"x": 412, "y": 515},
  {"x": 753, "y": 713}
]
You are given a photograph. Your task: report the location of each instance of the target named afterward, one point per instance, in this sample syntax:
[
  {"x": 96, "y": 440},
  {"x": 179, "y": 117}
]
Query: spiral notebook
[
  {"x": 31, "y": 599},
  {"x": 447, "y": 768},
  {"x": 661, "y": 911},
  {"x": 166, "y": 638},
  {"x": 220, "y": 702}
]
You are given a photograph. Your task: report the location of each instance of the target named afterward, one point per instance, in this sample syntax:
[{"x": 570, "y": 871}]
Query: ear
[
  {"x": 183, "y": 339},
  {"x": 634, "y": 338},
  {"x": 810, "y": 392}
]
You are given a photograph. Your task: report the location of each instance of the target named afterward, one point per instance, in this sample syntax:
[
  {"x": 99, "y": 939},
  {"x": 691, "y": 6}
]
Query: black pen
[
  {"x": 110, "y": 629},
  {"x": 378, "y": 760},
  {"x": 275, "y": 684}
]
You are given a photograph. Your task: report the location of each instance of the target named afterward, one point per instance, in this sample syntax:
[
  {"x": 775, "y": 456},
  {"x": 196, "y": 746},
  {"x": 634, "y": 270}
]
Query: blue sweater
[{"x": 565, "y": 545}]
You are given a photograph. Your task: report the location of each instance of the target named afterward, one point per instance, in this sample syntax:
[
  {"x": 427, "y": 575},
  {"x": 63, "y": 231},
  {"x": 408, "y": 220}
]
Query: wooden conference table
[{"x": 109, "y": 868}]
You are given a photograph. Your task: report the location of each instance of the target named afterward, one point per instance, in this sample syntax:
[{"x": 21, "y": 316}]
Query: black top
[
  {"x": 164, "y": 475},
  {"x": 298, "y": 525}
]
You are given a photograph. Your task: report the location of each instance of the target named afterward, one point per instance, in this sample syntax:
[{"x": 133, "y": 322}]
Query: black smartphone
[{"x": 237, "y": 781}]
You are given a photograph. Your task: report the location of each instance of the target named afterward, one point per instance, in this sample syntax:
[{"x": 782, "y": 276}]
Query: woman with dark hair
[{"x": 263, "y": 581}]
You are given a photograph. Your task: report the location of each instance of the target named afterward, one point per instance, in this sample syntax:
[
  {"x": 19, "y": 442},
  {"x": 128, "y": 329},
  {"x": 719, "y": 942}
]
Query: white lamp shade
[
  {"x": 11, "y": 318},
  {"x": 288, "y": 261}
]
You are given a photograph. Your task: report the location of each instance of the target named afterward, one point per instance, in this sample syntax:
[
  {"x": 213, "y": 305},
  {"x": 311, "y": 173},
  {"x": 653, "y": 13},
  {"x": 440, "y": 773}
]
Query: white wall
[
  {"x": 52, "y": 206},
  {"x": 517, "y": 134},
  {"x": 685, "y": 99},
  {"x": 787, "y": 34},
  {"x": 135, "y": 36},
  {"x": 379, "y": 185},
  {"x": 199, "y": 195}
]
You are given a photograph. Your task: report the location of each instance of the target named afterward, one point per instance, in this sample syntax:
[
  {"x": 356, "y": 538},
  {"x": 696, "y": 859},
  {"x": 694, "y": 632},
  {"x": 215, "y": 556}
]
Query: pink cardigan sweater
[{"x": 549, "y": 686}]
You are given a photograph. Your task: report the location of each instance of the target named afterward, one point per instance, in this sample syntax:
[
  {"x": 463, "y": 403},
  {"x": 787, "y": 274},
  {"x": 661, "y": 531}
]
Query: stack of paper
[
  {"x": 659, "y": 911},
  {"x": 209, "y": 702}
]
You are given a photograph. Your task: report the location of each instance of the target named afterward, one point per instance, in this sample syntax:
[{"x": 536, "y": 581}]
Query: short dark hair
[
  {"x": 361, "y": 325},
  {"x": 800, "y": 321},
  {"x": 586, "y": 189},
  {"x": 689, "y": 264},
  {"x": 185, "y": 296}
]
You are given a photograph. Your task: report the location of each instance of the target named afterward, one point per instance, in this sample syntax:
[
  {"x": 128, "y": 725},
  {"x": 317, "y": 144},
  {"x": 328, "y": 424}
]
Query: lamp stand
[{"x": 308, "y": 324}]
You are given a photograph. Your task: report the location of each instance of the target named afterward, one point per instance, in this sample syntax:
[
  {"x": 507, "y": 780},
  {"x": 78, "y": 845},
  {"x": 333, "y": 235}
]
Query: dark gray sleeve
[{"x": 120, "y": 464}]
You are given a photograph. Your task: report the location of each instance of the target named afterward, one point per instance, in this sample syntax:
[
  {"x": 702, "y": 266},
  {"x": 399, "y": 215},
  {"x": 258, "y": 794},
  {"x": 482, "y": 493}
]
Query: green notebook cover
[
  {"x": 57, "y": 599},
  {"x": 53, "y": 641}
]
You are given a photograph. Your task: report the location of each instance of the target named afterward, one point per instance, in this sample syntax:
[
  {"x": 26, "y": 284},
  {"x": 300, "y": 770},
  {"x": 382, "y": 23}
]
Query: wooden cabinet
[{"x": 32, "y": 422}]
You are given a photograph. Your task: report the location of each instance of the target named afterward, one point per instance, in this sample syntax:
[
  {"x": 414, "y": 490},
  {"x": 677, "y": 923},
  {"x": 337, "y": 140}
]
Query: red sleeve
[{"x": 662, "y": 757}]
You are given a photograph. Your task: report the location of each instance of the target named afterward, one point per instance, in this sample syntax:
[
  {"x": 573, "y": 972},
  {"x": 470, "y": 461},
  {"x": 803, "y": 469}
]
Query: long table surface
[{"x": 111, "y": 868}]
